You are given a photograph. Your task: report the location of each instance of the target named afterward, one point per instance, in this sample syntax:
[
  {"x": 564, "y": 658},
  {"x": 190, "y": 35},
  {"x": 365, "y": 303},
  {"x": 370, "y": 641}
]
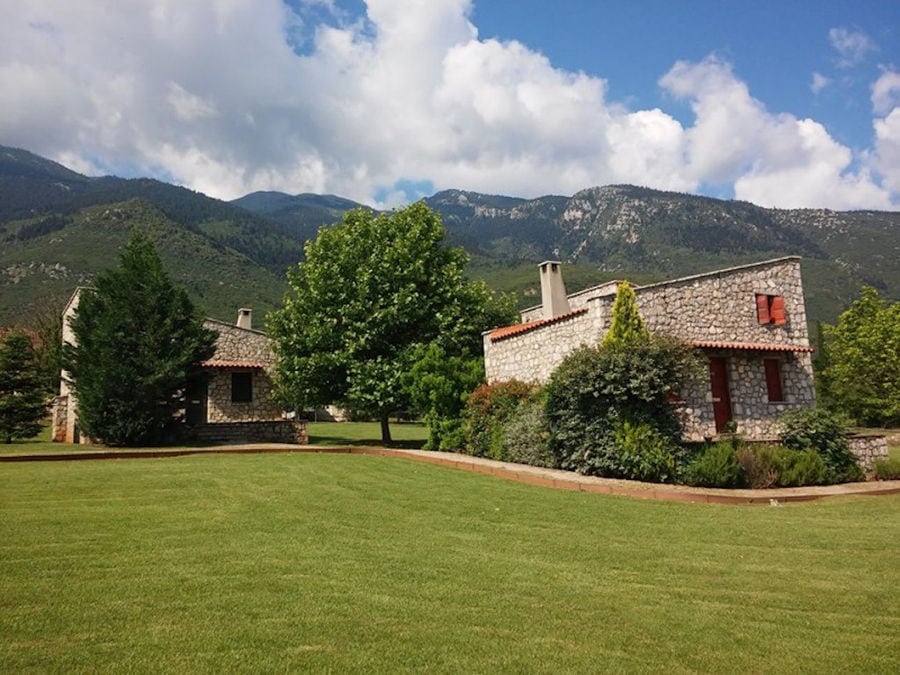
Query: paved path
[{"x": 532, "y": 475}]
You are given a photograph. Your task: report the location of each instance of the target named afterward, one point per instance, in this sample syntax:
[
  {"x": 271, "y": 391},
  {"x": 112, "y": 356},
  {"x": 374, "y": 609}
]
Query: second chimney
[
  {"x": 553, "y": 291},
  {"x": 245, "y": 318}
]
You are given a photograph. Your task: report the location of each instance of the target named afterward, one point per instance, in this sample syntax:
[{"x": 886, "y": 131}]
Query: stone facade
[{"x": 751, "y": 319}]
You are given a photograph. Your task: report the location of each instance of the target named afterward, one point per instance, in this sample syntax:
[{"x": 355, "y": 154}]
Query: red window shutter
[
  {"x": 778, "y": 312},
  {"x": 773, "y": 380},
  {"x": 762, "y": 308}
]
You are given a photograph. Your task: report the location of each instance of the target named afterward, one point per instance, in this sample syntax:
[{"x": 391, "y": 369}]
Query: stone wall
[
  {"x": 531, "y": 356},
  {"x": 240, "y": 344},
  {"x": 721, "y": 306},
  {"x": 281, "y": 431},
  {"x": 867, "y": 449}
]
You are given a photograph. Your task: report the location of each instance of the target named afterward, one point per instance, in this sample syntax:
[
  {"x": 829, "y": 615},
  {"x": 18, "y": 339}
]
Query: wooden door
[
  {"x": 718, "y": 381},
  {"x": 195, "y": 405}
]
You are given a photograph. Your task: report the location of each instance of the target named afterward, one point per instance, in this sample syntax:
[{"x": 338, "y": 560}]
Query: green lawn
[
  {"x": 405, "y": 435},
  {"x": 358, "y": 563}
]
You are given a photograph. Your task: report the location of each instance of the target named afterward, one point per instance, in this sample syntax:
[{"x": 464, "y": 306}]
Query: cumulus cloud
[
  {"x": 771, "y": 159},
  {"x": 852, "y": 46},
  {"x": 231, "y": 96}
]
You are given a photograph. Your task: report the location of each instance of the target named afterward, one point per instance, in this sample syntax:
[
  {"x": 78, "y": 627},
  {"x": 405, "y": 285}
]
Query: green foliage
[
  {"x": 860, "y": 362},
  {"x": 644, "y": 453},
  {"x": 805, "y": 467},
  {"x": 526, "y": 437},
  {"x": 597, "y": 389},
  {"x": 489, "y": 407},
  {"x": 439, "y": 384},
  {"x": 373, "y": 292},
  {"x": 887, "y": 468},
  {"x": 139, "y": 342},
  {"x": 769, "y": 465},
  {"x": 22, "y": 399},
  {"x": 716, "y": 465},
  {"x": 627, "y": 326},
  {"x": 826, "y": 433}
]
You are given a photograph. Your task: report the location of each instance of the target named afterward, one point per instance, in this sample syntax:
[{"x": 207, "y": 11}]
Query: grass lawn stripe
[{"x": 364, "y": 563}]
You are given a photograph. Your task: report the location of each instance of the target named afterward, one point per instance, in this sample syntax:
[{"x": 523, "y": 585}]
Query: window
[
  {"x": 773, "y": 380},
  {"x": 241, "y": 387},
  {"x": 770, "y": 309}
]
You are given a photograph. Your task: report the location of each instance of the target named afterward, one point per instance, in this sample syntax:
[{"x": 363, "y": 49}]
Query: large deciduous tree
[
  {"x": 23, "y": 402},
  {"x": 138, "y": 342},
  {"x": 860, "y": 364},
  {"x": 372, "y": 294}
]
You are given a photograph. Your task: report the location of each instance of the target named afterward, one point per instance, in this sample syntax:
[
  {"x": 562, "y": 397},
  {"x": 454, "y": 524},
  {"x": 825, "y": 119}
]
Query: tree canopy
[
  {"x": 22, "y": 399},
  {"x": 860, "y": 361},
  {"x": 373, "y": 292},
  {"x": 138, "y": 342}
]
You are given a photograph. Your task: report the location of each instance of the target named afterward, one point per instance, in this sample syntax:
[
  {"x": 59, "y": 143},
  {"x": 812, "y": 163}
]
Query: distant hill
[{"x": 59, "y": 228}]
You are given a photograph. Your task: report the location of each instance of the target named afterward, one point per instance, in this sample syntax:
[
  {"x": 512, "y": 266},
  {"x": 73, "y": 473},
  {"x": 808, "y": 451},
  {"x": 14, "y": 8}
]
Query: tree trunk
[{"x": 385, "y": 429}]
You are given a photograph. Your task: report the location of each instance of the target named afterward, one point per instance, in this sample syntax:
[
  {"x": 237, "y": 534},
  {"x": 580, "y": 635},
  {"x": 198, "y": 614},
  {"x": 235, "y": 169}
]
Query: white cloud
[
  {"x": 771, "y": 159},
  {"x": 819, "y": 82},
  {"x": 886, "y": 92},
  {"x": 214, "y": 95},
  {"x": 852, "y": 46}
]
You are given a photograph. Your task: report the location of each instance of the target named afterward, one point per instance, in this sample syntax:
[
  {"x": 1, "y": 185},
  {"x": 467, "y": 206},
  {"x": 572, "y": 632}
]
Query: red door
[{"x": 718, "y": 380}]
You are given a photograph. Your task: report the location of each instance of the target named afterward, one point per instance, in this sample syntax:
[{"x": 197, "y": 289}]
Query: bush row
[{"x": 606, "y": 412}]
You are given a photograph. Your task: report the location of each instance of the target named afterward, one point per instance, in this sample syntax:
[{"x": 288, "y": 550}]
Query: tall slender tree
[
  {"x": 627, "y": 324},
  {"x": 138, "y": 341}
]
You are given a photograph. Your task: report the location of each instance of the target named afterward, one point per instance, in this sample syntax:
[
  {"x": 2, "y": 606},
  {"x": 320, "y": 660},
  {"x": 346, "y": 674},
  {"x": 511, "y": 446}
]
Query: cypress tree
[{"x": 138, "y": 341}]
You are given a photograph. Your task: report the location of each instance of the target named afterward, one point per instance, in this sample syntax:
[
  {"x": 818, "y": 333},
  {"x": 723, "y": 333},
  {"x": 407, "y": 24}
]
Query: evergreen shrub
[
  {"x": 526, "y": 436},
  {"x": 595, "y": 391},
  {"x": 716, "y": 465},
  {"x": 826, "y": 433}
]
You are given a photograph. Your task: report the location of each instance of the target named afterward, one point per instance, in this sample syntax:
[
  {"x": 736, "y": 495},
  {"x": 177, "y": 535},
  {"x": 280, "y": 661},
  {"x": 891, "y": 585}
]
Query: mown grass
[
  {"x": 359, "y": 563},
  {"x": 405, "y": 435}
]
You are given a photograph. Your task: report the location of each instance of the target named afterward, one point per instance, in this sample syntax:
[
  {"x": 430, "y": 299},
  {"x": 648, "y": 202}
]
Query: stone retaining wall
[
  {"x": 867, "y": 449},
  {"x": 281, "y": 431}
]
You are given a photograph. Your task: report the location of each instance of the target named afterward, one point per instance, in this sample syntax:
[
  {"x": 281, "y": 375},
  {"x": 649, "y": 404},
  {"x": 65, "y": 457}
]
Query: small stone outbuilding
[
  {"x": 749, "y": 323},
  {"x": 230, "y": 403}
]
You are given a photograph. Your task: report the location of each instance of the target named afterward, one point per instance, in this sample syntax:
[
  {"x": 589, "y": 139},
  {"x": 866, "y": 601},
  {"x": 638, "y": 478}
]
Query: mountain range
[{"x": 58, "y": 228}]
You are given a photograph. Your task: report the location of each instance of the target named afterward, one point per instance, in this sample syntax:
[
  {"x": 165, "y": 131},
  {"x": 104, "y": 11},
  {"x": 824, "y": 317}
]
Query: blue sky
[
  {"x": 774, "y": 46},
  {"x": 788, "y": 104}
]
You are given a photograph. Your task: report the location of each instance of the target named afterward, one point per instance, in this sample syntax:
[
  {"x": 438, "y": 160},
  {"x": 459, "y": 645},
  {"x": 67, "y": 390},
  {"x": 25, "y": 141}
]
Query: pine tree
[
  {"x": 22, "y": 401},
  {"x": 138, "y": 341}
]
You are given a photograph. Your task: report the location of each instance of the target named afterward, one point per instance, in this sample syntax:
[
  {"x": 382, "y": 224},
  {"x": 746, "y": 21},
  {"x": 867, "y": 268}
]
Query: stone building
[
  {"x": 230, "y": 402},
  {"x": 749, "y": 323}
]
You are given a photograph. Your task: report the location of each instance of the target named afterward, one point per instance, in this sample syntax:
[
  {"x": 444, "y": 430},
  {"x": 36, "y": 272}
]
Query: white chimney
[
  {"x": 245, "y": 318},
  {"x": 553, "y": 290}
]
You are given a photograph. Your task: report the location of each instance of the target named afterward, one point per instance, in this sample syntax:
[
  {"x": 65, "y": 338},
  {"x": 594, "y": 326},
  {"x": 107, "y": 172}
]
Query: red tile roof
[
  {"x": 233, "y": 364},
  {"x": 506, "y": 332},
  {"x": 750, "y": 346}
]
